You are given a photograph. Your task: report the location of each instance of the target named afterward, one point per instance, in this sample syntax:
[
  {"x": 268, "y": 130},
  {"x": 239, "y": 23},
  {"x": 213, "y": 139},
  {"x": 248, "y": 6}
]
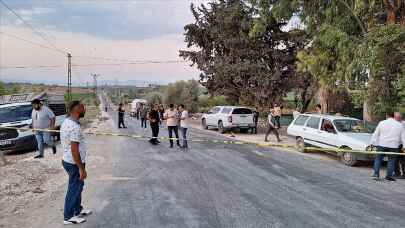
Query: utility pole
[
  {"x": 69, "y": 93},
  {"x": 95, "y": 83}
]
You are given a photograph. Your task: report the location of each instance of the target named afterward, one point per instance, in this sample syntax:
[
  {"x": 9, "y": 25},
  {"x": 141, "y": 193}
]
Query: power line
[
  {"x": 31, "y": 42},
  {"x": 31, "y": 27},
  {"x": 95, "y": 64}
]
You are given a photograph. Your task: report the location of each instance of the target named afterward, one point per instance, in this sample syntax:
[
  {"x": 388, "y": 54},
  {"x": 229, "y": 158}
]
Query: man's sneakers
[
  {"x": 85, "y": 213},
  {"x": 39, "y": 156},
  {"x": 389, "y": 179},
  {"x": 74, "y": 220},
  {"x": 79, "y": 218}
]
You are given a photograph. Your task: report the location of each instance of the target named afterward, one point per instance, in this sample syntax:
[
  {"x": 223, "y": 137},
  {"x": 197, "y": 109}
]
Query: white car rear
[
  {"x": 228, "y": 118},
  {"x": 326, "y": 131}
]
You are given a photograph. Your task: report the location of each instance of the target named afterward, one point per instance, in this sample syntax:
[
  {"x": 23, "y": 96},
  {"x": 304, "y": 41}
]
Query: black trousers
[
  {"x": 143, "y": 122},
  {"x": 174, "y": 129},
  {"x": 254, "y": 129},
  {"x": 274, "y": 130},
  {"x": 155, "y": 133},
  {"x": 121, "y": 122},
  {"x": 277, "y": 121}
]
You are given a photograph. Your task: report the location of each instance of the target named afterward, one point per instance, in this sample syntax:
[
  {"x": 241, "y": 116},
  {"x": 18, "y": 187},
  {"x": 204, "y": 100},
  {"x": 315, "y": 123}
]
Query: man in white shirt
[
  {"x": 184, "y": 125},
  {"x": 172, "y": 121},
  {"x": 387, "y": 137},
  {"x": 42, "y": 118},
  {"x": 74, "y": 162}
]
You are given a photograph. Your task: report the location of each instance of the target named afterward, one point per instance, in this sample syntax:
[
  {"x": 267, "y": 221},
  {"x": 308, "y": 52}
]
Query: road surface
[{"x": 135, "y": 184}]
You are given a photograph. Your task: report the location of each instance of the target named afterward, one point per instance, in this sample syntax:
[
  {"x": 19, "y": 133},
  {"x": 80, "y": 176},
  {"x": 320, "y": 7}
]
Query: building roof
[{"x": 28, "y": 97}]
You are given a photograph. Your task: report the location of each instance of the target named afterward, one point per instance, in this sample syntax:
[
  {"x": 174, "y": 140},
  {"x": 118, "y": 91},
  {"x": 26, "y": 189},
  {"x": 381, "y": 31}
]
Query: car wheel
[
  {"x": 300, "y": 145},
  {"x": 348, "y": 158},
  {"x": 221, "y": 127},
  {"x": 204, "y": 124}
]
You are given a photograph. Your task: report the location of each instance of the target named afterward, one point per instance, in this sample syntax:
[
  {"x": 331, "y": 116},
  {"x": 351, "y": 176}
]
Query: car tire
[
  {"x": 204, "y": 124},
  {"x": 221, "y": 127},
  {"x": 348, "y": 158},
  {"x": 300, "y": 144}
]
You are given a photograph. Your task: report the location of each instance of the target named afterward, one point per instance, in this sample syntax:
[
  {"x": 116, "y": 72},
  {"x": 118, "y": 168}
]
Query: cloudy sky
[{"x": 115, "y": 29}]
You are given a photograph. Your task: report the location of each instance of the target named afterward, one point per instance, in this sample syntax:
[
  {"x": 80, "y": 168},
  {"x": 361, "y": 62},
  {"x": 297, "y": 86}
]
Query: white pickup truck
[
  {"x": 18, "y": 115},
  {"x": 228, "y": 118},
  {"x": 327, "y": 131}
]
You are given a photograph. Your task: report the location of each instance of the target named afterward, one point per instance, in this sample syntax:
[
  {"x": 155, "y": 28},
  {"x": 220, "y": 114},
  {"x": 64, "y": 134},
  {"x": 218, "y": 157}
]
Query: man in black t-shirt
[
  {"x": 121, "y": 114},
  {"x": 154, "y": 119}
]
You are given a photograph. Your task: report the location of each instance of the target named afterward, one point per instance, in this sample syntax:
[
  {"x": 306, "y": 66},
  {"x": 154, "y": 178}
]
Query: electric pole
[
  {"x": 95, "y": 83},
  {"x": 69, "y": 92}
]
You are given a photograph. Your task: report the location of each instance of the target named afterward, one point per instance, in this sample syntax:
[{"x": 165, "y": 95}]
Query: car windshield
[
  {"x": 242, "y": 111},
  {"x": 16, "y": 113},
  {"x": 351, "y": 126}
]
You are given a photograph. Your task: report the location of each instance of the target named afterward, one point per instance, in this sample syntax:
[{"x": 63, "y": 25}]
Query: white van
[{"x": 228, "y": 118}]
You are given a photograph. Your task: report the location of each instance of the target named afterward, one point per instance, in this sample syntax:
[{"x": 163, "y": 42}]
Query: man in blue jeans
[
  {"x": 73, "y": 161},
  {"x": 184, "y": 124},
  {"x": 387, "y": 137},
  {"x": 42, "y": 119}
]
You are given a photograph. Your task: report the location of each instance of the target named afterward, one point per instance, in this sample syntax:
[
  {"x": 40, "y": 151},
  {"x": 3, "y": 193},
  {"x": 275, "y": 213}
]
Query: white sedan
[{"x": 326, "y": 131}]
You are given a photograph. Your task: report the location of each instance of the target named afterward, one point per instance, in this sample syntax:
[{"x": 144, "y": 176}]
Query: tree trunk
[
  {"x": 368, "y": 114},
  {"x": 391, "y": 11},
  {"x": 324, "y": 94},
  {"x": 402, "y": 14}
]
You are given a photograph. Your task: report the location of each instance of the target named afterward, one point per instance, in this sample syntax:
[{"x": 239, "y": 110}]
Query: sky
[{"x": 135, "y": 30}]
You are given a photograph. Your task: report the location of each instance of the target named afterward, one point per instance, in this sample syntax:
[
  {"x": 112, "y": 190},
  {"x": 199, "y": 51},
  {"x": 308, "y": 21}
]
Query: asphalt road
[{"x": 213, "y": 185}]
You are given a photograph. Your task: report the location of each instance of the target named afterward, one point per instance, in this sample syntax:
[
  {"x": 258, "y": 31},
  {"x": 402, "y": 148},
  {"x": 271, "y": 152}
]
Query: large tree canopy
[{"x": 247, "y": 64}]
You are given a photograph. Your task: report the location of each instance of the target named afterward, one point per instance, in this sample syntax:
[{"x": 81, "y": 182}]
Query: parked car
[
  {"x": 16, "y": 113},
  {"x": 135, "y": 105},
  {"x": 228, "y": 118},
  {"x": 326, "y": 131}
]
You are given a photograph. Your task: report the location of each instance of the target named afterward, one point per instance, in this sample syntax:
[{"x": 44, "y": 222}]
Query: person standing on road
[
  {"x": 271, "y": 127},
  {"x": 143, "y": 113},
  {"x": 74, "y": 163},
  {"x": 43, "y": 119},
  {"x": 255, "y": 120},
  {"x": 172, "y": 120},
  {"x": 184, "y": 125},
  {"x": 154, "y": 120},
  {"x": 121, "y": 115},
  {"x": 400, "y": 161},
  {"x": 277, "y": 115},
  {"x": 161, "y": 111},
  {"x": 387, "y": 137}
]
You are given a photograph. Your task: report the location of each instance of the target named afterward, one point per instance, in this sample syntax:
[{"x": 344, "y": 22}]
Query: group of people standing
[{"x": 176, "y": 119}]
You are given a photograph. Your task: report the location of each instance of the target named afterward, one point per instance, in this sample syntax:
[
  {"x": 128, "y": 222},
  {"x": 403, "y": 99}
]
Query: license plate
[
  {"x": 5, "y": 142},
  {"x": 243, "y": 116}
]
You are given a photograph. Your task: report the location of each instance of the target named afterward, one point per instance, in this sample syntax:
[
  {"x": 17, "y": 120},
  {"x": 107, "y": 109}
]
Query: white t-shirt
[
  {"x": 71, "y": 132},
  {"x": 170, "y": 116},
  {"x": 184, "y": 123},
  {"x": 42, "y": 119}
]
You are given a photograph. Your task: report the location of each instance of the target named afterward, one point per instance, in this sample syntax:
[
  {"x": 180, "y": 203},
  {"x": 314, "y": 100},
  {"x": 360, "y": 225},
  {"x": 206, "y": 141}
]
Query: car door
[
  {"x": 211, "y": 116},
  {"x": 311, "y": 131},
  {"x": 328, "y": 134}
]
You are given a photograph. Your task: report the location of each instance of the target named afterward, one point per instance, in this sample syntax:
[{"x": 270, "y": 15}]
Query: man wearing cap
[{"x": 42, "y": 119}]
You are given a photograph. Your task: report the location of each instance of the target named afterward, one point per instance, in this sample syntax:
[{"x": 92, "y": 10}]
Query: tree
[
  {"x": 183, "y": 92},
  {"x": 154, "y": 98},
  {"x": 247, "y": 61},
  {"x": 3, "y": 90}
]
